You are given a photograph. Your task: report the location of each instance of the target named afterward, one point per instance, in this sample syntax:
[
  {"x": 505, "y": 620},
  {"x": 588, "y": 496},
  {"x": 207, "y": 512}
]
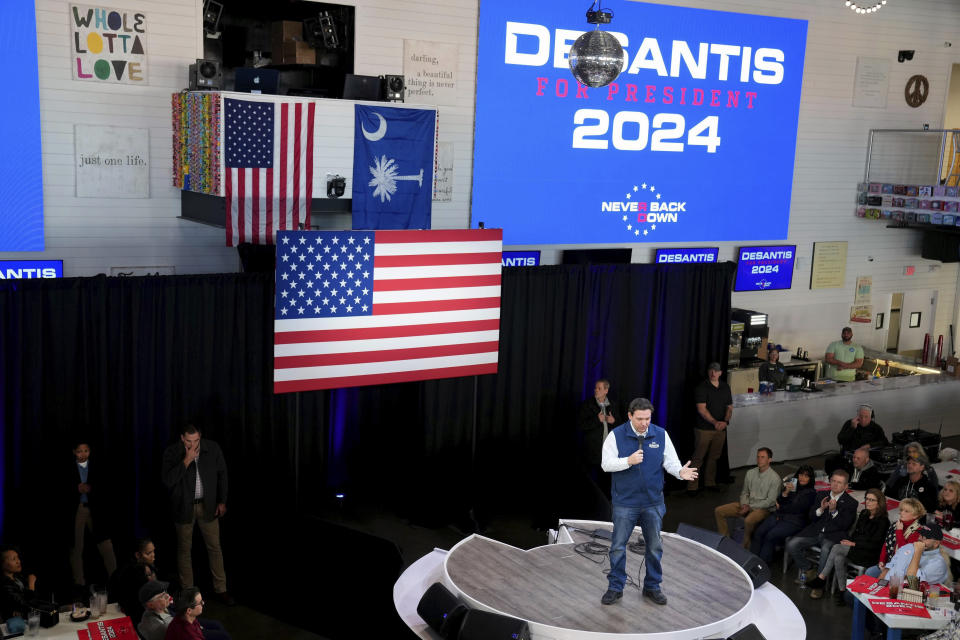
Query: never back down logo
[{"x": 643, "y": 208}]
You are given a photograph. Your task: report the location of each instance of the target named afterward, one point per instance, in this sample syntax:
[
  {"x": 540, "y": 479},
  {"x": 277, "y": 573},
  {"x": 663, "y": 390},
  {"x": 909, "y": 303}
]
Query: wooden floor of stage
[{"x": 554, "y": 585}]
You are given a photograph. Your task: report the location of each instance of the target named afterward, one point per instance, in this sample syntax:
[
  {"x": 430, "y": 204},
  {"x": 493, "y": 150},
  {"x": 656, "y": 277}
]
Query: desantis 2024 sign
[{"x": 694, "y": 141}]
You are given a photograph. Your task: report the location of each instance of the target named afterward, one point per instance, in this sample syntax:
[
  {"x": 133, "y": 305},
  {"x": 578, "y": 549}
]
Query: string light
[{"x": 862, "y": 10}]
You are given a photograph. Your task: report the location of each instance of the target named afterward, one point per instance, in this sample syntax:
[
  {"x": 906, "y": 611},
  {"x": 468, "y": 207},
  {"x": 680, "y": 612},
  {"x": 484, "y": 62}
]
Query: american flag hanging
[
  {"x": 269, "y": 168},
  {"x": 358, "y": 308}
]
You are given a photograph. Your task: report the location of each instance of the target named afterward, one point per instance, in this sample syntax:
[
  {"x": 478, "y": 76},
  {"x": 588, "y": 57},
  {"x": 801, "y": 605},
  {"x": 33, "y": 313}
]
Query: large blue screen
[
  {"x": 694, "y": 141},
  {"x": 21, "y": 172}
]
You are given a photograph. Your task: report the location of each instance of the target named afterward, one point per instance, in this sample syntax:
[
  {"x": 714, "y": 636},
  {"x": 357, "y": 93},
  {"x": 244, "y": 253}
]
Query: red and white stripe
[
  {"x": 436, "y": 314},
  {"x": 259, "y": 202}
]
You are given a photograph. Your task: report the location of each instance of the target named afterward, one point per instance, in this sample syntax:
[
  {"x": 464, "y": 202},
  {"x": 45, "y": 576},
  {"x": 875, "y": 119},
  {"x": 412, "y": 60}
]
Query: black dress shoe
[
  {"x": 656, "y": 596},
  {"x": 611, "y": 596},
  {"x": 817, "y": 583}
]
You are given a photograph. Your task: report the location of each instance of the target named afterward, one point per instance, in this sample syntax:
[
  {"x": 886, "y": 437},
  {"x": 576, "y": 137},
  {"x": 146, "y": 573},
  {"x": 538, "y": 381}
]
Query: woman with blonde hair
[
  {"x": 906, "y": 530},
  {"x": 949, "y": 512}
]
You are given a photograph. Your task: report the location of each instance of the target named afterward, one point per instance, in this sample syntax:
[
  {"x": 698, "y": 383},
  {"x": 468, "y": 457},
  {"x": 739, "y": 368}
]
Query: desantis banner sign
[{"x": 694, "y": 141}]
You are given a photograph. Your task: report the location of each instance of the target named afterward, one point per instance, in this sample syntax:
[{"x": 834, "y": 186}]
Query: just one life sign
[{"x": 108, "y": 45}]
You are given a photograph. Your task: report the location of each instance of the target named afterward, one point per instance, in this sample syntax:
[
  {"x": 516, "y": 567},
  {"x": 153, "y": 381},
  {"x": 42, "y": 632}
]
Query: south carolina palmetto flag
[
  {"x": 358, "y": 308},
  {"x": 268, "y": 180}
]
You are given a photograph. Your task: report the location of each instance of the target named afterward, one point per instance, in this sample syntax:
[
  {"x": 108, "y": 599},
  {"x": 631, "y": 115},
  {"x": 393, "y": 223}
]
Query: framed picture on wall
[{"x": 914, "y": 319}]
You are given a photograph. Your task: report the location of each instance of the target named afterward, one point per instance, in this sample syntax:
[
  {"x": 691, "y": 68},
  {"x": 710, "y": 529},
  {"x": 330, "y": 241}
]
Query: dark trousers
[{"x": 771, "y": 533}]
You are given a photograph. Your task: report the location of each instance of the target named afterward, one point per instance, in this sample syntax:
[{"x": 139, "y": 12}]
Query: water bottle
[{"x": 803, "y": 579}]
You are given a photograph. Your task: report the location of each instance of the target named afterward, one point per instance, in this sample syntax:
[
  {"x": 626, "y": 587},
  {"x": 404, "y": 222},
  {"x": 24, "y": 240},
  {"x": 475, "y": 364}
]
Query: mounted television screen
[
  {"x": 765, "y": 268},
  {"x": 694, "y": 141},
  {"x": 684, "y": 255}
]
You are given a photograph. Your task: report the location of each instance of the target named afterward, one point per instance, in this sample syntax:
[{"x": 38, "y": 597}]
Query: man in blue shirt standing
[{"x": 635, "y": 454}]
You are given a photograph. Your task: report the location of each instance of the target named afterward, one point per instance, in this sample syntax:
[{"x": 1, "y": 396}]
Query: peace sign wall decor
[{"x": 916, "y": 91}]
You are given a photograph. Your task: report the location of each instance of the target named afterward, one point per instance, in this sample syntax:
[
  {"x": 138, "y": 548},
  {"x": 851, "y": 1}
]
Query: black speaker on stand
[
  {"x": 483, "y": 625},
  {"x": 749, "y": 632},
  {"x": 206, "y": 75},
  {"x": 442, "y": 610},
  {"x": 755, "y": 567}
]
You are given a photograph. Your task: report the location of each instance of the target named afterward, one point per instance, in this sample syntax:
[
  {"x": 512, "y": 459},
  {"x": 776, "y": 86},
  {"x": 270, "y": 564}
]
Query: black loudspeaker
[
  {"x": 710, "y": 538},
  {"x": 393, "y": 88},
  {"x": 205, "y": 74},
  {"x": 483, "y": 625},
  {"x": 442, "y": 610},
  {"x": 756, "y": 568},
  {"x": 749, "y": 632}
]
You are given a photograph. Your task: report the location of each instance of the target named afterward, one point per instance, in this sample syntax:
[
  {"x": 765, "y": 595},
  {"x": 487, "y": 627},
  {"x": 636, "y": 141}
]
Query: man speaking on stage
[{"x": 635, "y": 454}]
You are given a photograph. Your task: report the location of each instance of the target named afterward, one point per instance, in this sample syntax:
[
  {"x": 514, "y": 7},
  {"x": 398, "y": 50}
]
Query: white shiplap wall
[{"x": 93, "y": 235}]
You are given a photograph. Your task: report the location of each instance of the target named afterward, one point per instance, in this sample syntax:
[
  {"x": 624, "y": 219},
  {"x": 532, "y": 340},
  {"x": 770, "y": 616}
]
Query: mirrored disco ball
[{"x": 596, "y": 58}]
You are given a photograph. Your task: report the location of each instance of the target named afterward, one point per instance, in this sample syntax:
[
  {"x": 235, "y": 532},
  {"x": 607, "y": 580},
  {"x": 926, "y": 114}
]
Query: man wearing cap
[
  {"x": 917, "y": 562},
  {"x": 155, "y": 620},
  {"x": 922, "y": 559},
  {"x": 916, "y": 484},
  {"x": 714, "y": 409},
  {"x": 843, "y": 358}
]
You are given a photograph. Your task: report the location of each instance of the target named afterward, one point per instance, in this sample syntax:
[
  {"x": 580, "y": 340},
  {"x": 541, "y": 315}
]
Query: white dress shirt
[{"x": 611, "y": 460}]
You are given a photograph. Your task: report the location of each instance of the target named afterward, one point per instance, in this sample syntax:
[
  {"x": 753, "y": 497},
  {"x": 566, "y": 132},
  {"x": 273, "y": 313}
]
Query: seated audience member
[
  {"x": 16, "y": 589},
  {"x": 948, "y": 510},
  {"x": 772, "y": 370},
  {"x": 832, "y": 514},
  {"x": 155, "y": 600},
  {"x": 906, "y": 530},
  {"x": 861, "y": 547},
  {"x": 793, "y": 507},
  {"x": 757, "y": 499},
  {"x": 864, "y": 474},
  {"x": 132, "y": 576},
  {"x": 915, "y": 484},
  {"x": 921, "y": 561},
  {"x": 187, "y": 625},
  {"x": 948, "y": 515},
  {"x": 914, "y": 450},
  {"x": 856, "y": 432}
]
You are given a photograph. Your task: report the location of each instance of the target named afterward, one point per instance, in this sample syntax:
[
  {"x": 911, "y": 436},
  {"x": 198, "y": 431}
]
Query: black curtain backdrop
[{"x": 126, "y": 361}]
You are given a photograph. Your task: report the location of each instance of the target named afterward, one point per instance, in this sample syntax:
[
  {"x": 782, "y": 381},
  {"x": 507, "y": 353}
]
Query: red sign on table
[
  {"x": 868, "y": 585},
  {"x": 116, "y": 629},
  {"x": 950, "y": 542},
  {"x": 899, "y": 607}
]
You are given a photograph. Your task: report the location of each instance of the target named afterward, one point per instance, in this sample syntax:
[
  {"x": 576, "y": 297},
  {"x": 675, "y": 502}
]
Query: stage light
[{"x": 596, "y": 57}]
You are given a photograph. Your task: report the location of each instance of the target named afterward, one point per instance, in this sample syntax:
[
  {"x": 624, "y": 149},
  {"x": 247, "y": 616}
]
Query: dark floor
[{"x": 824, "y": 620}]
